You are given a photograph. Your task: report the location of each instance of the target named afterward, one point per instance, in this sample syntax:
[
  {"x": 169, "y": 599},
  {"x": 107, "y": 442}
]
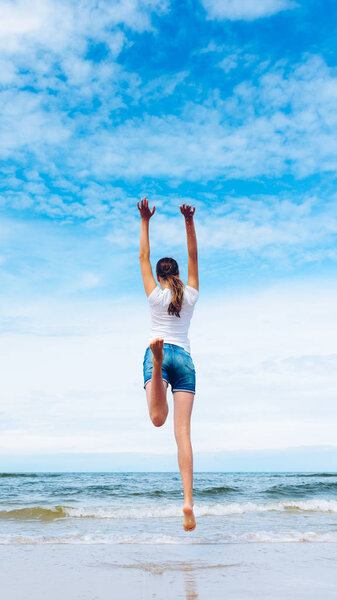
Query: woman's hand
[
  {"x": 187, "y": 211},
  {"x": 144, "y": 210}
]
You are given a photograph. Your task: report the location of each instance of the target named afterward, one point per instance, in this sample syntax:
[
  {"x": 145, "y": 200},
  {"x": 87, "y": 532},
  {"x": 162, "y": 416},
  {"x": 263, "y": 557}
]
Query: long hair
[{"x": 167, "y": 268}]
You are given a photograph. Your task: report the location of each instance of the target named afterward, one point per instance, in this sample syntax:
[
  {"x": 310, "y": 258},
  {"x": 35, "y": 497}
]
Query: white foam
[
  {"x": 160, "y": 510},
  {"x": 109, "y": 539},
  {"x": 230, "y": 508},
  {"x": 220, "y": 509},
  {"x": 290, "y": 536}
]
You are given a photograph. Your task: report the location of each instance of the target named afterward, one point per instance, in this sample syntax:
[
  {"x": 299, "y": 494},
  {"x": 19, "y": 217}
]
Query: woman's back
[{"x": 173, "y": 329}]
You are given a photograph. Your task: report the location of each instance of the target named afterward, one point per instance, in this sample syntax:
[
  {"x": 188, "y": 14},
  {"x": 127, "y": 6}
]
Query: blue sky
[{"x": 228, "y": 105}]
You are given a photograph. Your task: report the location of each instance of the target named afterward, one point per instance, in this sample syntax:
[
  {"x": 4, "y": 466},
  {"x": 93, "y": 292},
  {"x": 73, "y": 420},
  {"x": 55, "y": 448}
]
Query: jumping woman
[{"x": 167, "y": 359}]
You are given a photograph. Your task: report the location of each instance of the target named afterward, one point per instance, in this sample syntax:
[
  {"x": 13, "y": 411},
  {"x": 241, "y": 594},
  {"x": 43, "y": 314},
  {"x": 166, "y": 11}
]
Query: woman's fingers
[
  {"x": 143, "y": 203},
  {"x": 144, "y": 209},
  {"x": 187, "y": 210}
]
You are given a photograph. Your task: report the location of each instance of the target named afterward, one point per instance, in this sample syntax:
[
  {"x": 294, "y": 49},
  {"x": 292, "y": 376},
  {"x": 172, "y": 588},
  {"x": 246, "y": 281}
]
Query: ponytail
[
  {"x": 177, "y": 287},
  {"x": 167, "y": 268}
]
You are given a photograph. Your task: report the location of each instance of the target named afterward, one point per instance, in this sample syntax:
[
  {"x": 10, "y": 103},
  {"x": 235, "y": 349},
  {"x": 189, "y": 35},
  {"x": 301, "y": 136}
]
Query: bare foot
[
  {"x": 157, "y": 350},
  {"x": 189, "y": 520}
]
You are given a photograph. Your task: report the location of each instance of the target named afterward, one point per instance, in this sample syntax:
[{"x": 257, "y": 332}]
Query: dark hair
[{"x": 167, "y": 268}]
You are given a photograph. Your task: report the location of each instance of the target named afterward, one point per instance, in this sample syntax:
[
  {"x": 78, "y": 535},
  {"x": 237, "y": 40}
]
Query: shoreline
[{"x": 189, "y": 572}]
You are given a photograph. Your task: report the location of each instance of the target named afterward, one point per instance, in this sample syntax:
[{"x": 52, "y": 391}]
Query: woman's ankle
[{"x": 188, "y": 502}]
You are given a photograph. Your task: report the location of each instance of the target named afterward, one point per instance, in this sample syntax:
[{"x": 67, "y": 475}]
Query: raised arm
[
  {"x": 193, "y": 276},
  {"x": 144, "y": 246}
]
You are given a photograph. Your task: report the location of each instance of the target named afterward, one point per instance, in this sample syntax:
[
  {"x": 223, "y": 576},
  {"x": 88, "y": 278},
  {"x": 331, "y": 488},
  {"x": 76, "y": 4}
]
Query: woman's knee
[
  {"x": 182, "y": 432},
  {"x": 158, "y": 419}
]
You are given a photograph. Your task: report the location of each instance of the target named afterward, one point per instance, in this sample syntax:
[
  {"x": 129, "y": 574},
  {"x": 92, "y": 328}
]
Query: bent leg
[
  {"x": 183, "y": 404},
  {"x": 158, "y": 411},
  {"x": 156, "y": 389}
]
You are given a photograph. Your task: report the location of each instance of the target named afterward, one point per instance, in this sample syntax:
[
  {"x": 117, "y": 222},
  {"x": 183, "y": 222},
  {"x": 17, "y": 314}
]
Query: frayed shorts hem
[
  {"x": 177, "y": 390},
  {"x": 147, "y": 381}
]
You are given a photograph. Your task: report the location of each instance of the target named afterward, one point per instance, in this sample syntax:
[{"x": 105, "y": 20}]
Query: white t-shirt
[{"x": 172, "y": 329}]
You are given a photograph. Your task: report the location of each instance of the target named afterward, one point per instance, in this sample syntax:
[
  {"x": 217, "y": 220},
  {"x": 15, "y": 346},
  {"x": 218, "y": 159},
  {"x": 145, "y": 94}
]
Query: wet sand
[{"x": 189, "y": 572}]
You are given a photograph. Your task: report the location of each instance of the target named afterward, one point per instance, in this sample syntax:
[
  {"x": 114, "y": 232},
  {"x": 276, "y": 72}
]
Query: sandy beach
[{"x": 189, "y": 572}]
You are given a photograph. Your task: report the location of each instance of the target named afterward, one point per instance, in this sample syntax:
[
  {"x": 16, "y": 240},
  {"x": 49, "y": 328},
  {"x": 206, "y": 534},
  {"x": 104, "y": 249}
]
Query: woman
[{"x": 167, "y": 359}]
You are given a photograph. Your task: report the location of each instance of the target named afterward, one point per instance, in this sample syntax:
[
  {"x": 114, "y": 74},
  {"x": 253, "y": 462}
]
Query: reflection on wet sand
[
  {"x": 190, "y": 569},
  {"x": 191, "y": 586}
]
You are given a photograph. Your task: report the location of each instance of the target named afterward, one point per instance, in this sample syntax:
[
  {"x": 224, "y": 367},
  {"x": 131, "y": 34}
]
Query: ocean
[
  {"x": 95, "y": 536},
  {"x": 145, "y": 508}
]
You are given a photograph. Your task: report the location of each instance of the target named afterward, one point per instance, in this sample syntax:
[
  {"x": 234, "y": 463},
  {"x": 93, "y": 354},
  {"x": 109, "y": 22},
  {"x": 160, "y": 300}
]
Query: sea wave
[
  {"x": 124, "y": 491},
  {"x": 316, "y": 474},
  {"x": 41, "y": 513},
  {"x": 215, "y": 491},
  {"x": 301, "y": 489},
  {"x": 78, "y": 538},
  {"x": 50, "y": 513},
  {"x": 41, "y": 476},
  {"x": 20, "y": 475}
]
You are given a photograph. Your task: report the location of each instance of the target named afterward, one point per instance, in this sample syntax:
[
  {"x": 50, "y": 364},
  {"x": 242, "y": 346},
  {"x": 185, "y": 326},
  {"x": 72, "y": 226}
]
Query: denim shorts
[{"x": 177, "y": 370}]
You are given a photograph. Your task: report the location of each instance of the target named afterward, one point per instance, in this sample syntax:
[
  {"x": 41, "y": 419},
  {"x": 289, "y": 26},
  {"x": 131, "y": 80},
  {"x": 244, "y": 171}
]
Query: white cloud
[
  {"x": 23, "y": 17},
  {"x": 162, "y": 86},
  {"x": 285, "y": 231},
  {"x": 57, "y": 25},
  {"x": 229, "y": 63},
  {"x": 247, "y": 10},
  {"x": 283, "y": 122},
  {"x": 44, "y": 48},
  {"x": 233, "y": 58},
  {"x": 266, "y": 373},
  {"x": 267, "y": 235}
]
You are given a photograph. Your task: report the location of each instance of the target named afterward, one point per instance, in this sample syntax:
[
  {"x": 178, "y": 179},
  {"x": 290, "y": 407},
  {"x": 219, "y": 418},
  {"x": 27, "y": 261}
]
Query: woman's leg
[
  {"x": 183, "y": 404},
  {"x": 156, "y": 389}
]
